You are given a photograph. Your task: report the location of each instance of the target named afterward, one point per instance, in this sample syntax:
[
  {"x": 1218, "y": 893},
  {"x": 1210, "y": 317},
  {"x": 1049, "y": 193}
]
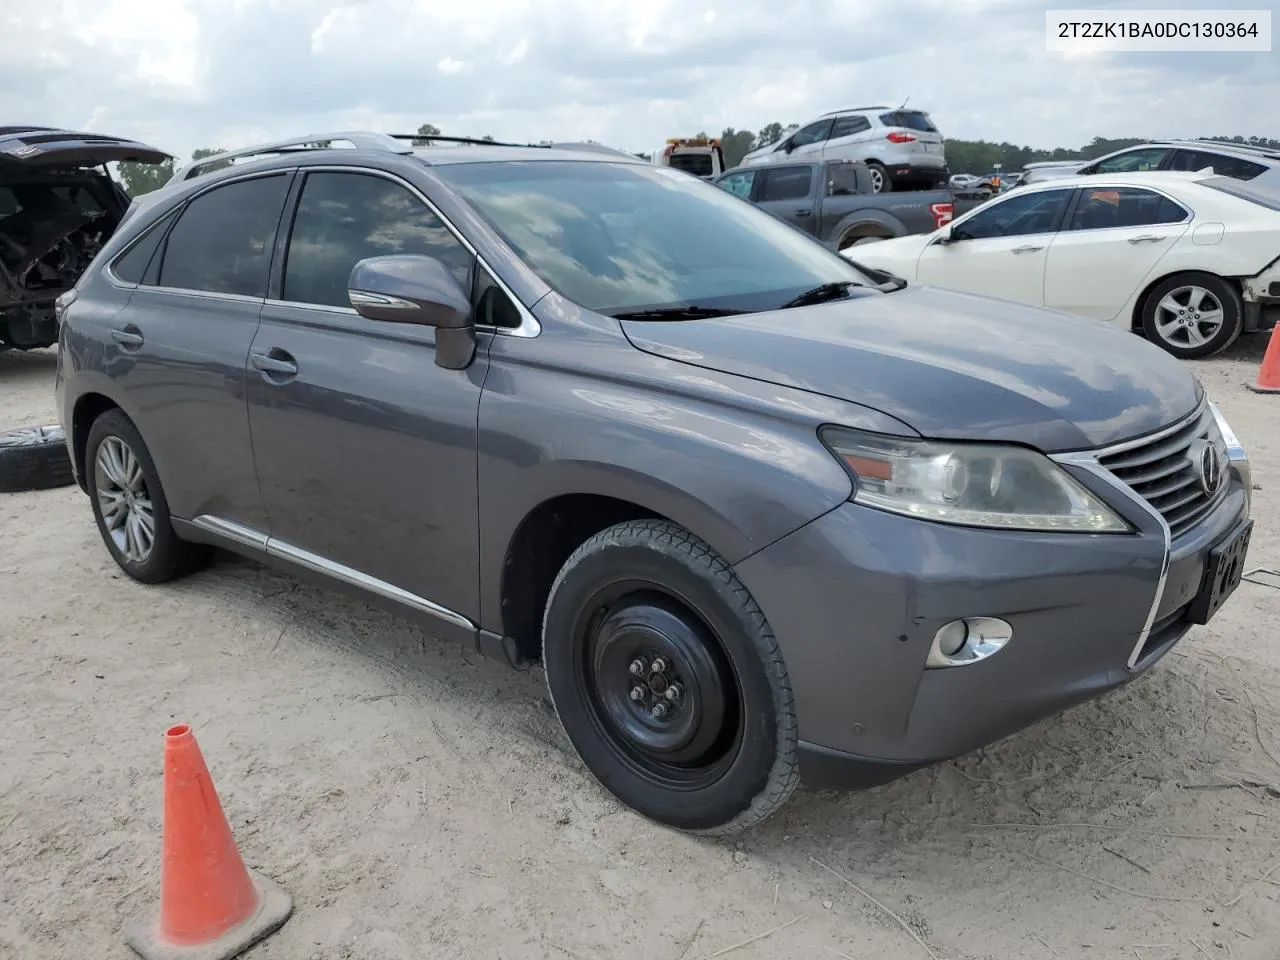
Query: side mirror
[
  {"x": 411, "y": 288},
  {"x": 946, "y": 235},
  {"x": 788, "y": 146}
]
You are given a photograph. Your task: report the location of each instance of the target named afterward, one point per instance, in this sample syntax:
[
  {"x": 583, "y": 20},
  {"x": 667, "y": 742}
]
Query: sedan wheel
[{"x": 1193, "y": 315}]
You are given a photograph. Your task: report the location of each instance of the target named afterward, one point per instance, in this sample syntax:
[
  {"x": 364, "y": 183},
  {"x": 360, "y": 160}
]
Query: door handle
[
  {"x": 128, "y": 337},
  {"x": 1026, "y": 249},
  {"x": 1146, "y": 238},
  {"x": 803, "y": 212},
  {"x": 276, "y": 362}
]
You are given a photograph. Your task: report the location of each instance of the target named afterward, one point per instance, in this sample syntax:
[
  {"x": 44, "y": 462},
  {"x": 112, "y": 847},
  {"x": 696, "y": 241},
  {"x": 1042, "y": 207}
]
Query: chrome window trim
[
  {"x": 180, "y": 209},
  {"x": 249, "y": 537},
  {"x": 529, "y": 325}
]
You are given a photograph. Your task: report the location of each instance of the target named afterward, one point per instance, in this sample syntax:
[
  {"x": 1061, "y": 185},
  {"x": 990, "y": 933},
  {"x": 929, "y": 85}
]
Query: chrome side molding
[{"x": 249, "y": 537}]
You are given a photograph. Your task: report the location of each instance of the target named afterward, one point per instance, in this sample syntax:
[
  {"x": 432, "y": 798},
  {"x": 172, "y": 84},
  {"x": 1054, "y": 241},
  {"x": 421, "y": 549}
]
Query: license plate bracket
[{"x": 1223, "y": 572}]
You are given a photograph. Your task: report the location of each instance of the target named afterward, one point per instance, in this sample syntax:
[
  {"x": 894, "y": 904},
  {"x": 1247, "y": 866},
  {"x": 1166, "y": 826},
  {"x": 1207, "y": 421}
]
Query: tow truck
[{"x": 701, "y": 156}]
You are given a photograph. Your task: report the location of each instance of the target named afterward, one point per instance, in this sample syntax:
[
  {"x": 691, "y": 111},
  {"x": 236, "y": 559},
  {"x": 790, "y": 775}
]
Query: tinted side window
[
  {"x": 1022, "y": 214},
  {"x": 739, "y": 184},
  {"x": 1224, "y": 166},
  {"x": 811, "y": 134},
  {"x": 911, "y": 119},
  {"x": 842, "y": 180},
  {"x": 847, "y": 126},
  {"x": 343, "y": 218},
  {"x": 1103, "y": 207},
  {"x": 786, "y": 183},
  {"x": 1148, "y": 158},
  {"x": 222, "y": 241},
  {"x": 131, "y": 266}
]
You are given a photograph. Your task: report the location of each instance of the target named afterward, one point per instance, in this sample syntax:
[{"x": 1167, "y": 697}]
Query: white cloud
[{"x": 189, "y": 73}]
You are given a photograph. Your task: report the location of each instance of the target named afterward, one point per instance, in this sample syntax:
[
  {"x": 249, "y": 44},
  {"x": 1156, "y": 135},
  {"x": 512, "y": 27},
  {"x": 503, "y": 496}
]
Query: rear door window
[
  {"x": 848, "y": 126},
  {"x": 223, "y": 239},
  {"x": 1235, "y": 167},
  {"x": 1101, "y": 208},
  {"x": 786, "y": 183},
  {"x": 842, "y": 180}
]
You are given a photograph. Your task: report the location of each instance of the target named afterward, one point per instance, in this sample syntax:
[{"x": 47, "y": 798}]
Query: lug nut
[
  {"x": 659, "y": 665},
  {"x": 659, "y": 711},
  {"x": 674, "y": 693},
  {"x": 637, "y": 668},
  {"x": 637, "y": 693}
]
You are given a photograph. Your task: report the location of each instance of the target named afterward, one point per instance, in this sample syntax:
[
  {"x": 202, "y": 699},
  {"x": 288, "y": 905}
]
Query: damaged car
[{"x": 59, "y": 203}]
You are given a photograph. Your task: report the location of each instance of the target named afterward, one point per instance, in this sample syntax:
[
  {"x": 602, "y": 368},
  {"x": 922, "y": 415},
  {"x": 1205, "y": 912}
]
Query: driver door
[{"x": 999, "y": 250}]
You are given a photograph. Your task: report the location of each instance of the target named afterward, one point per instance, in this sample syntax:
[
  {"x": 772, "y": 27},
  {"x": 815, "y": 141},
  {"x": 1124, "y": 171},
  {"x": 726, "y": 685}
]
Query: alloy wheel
[
  {"x": 128, "y": 515},
  {"x": 1189, "y": 316}
]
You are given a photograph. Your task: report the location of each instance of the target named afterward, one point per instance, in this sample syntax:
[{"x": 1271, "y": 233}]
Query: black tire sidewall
[
  {"x": 749, "y": 774},
  {"x": 1227, "y": 295},
  {"x": 38, "y": 466},
  {"x": 884, "y": 174},
  {"x": 167, "y": 552}
]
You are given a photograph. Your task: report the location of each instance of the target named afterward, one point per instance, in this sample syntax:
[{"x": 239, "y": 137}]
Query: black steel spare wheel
[
  {"x": 659, "y": 686},
  {"x": 668, "y": 680},
  {"x": 34, "y": 458}
]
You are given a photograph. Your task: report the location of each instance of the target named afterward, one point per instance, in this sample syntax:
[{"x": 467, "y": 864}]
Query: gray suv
[{"x": 763, "y": 516}]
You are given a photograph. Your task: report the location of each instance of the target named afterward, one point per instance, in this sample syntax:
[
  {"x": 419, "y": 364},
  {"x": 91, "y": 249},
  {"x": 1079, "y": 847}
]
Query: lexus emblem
[{"x": 1210, "y": 465}]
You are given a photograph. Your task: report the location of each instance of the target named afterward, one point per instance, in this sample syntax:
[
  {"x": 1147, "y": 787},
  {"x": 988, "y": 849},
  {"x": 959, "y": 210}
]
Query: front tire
[
  {"x": 1193, "y": 315},
  {"x": 668, "y": 680},
  {"x": 130, "y": 507}
]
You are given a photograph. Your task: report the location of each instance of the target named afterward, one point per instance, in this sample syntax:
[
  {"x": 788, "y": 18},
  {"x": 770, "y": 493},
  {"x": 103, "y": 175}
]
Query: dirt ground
[{"x": 418, "y": 802}]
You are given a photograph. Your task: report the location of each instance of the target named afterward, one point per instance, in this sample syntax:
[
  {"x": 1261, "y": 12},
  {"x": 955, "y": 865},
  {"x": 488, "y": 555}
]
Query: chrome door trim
[
  {"x": 237, "y": 532},
  {"x": 330, "y": 568},
  {"x": 249, "y": 537}
]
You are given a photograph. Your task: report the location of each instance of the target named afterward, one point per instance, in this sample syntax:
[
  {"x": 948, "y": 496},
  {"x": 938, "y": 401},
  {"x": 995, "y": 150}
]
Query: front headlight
[{"x": 976, "y": 485}]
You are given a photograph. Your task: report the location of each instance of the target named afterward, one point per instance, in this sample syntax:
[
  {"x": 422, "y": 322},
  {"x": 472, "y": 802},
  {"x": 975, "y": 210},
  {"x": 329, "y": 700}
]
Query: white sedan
[{"x": 1190, "y": 259}]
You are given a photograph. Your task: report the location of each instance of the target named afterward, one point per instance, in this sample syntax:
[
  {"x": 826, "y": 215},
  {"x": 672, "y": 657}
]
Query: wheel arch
[
  {"x": 868, "y": 223},
  {"x": 88, "y": 407},
  {"x": 1140, "y": 301}
]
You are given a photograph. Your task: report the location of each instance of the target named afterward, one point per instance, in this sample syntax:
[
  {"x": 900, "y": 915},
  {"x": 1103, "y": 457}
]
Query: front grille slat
[{"x": 1161, "y": 472}]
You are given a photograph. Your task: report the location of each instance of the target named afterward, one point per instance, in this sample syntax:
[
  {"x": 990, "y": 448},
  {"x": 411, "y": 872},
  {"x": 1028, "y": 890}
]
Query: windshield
[
  {"x": 618, "y": 238},
  {"x": 699, "y": 164}
]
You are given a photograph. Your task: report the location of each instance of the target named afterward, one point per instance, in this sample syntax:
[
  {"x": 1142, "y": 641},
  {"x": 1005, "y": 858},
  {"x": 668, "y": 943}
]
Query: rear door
[
  {"x": 1000, "y": 250},
  {"x": 179, "y": 348},
  {"x": 1111, "y": 242},
  {"x": 847, "y": 135},
  {"x": 787, "y": 192}
]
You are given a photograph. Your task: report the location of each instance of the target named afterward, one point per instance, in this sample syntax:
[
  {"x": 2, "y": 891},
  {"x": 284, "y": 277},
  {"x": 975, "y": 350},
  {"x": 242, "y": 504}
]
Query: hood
[
  {"x": 898, "y": 255},
  {"x": 40, "y": 147},
  {"x": 951, "y": 365}
]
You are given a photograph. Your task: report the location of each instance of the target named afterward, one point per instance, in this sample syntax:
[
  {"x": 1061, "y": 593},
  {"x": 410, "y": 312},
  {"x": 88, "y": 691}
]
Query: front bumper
[{"x": 856, "y": 597}]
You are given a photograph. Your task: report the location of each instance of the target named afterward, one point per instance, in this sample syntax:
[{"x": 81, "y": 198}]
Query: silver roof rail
[
  {"x": 358, "y": 140},
  {"x": 832, "y": 113}
]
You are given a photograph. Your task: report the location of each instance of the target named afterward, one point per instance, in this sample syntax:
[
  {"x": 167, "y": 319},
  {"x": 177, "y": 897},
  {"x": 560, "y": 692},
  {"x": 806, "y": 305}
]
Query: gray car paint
[{"x": 411, "y": 489}]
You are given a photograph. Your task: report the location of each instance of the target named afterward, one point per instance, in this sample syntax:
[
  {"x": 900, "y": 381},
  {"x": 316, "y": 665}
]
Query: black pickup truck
[{"x": 833, "y": 201}]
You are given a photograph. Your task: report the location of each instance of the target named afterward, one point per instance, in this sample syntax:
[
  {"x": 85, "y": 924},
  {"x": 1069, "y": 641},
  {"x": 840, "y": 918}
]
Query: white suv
[{"x": 899, "y": 145}]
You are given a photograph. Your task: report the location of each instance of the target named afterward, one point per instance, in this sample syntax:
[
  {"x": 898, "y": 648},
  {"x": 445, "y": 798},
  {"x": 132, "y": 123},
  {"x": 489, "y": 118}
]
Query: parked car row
[
  {"x": 1192, "y": 260},
  {"x": 762, "y": 515}
]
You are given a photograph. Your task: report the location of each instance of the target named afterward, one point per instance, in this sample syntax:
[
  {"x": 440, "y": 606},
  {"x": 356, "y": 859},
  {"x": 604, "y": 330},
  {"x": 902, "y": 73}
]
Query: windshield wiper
[
  {"x": 678, "y": 313},
  {"x": 823, "y": 293}
]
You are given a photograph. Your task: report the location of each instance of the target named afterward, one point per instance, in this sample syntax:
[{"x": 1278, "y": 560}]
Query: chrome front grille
[{"x": 1165, "y": 472}]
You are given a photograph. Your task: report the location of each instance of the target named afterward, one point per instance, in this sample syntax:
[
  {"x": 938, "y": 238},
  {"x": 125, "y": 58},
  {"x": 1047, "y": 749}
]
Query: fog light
[{"x": 966, "y": 641}]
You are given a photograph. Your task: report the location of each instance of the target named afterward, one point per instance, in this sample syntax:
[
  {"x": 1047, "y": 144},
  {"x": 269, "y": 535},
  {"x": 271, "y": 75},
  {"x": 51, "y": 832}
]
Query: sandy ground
[{"x": 420, "y": 803}]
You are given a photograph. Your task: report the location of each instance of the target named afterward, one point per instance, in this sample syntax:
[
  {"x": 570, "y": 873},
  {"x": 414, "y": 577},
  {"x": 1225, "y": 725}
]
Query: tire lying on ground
[{"x": 34, "y": 458}]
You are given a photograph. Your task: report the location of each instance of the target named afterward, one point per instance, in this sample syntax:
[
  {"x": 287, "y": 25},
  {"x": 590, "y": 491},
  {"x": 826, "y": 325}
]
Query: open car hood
[{"x": 41, "y": 147}]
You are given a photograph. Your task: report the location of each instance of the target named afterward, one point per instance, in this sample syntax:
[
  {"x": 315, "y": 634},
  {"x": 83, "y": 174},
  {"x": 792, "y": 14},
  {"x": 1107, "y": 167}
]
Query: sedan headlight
[{"x": 976, "y": 485}]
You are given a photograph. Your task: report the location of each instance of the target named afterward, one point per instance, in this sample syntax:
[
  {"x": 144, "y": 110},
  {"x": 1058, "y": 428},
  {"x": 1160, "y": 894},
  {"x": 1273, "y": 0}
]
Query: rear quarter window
[{"x": 911, "y": 119}]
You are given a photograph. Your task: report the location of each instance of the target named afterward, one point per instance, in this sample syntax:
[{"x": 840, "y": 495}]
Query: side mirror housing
[
  {"x": 787, "y": 146},
  {"x": 411, "y": 288},
  {"x": 946, "y": 235}
]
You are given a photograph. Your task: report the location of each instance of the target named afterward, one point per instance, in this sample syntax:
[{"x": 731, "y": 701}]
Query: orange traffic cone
[
  {"x": 211, "y": 906},
  {"x": 1269, "y": 372}
]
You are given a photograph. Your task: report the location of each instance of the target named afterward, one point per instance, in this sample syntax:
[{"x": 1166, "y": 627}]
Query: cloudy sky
[{"x": 188, "y": 73}]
